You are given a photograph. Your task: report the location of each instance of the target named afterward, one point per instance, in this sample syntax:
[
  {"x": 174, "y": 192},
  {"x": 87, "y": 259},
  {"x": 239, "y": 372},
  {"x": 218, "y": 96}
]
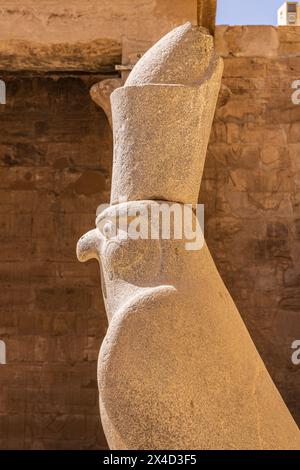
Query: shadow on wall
[
  {"x": 55, "y": 164},
  {"x": 250, "y": 190}
]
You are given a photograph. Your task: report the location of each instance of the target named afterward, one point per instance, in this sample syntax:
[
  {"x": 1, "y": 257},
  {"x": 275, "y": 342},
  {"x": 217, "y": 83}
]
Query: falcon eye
[{"x": 109, "y": 229}]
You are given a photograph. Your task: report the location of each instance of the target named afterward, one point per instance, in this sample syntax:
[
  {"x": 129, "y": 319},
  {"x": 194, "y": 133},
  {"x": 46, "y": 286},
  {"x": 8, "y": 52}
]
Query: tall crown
[{"x": 162, "y": 119}]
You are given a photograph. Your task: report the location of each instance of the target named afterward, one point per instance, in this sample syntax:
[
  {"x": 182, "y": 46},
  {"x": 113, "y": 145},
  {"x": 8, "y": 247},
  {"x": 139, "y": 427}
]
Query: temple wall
[
  {"x": 55, "y": 167},
  {"x": 77, "y": 35},
  {"x": 251, "y": 193}
]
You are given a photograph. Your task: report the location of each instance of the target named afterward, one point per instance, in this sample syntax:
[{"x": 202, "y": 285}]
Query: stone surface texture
[
  {"x": 55, "y": 168},
  {"x": 100, "y": 93},
  {"x": 177, "y": 368},
  {"x": 250, "y": 189},
  {"x": 86, "y": 36},
  {"x": 206, "y": 14},
  {"x": 163, "y": 104},
  {"x": 55, "y": 164}
]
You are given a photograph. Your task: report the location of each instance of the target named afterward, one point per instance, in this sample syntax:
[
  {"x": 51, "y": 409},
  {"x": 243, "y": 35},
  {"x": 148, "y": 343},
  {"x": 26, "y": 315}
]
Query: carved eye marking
[
  {"x": 109, "y": 229},
  {"x": 117, "y": 226},
  {"x": 126, "y": 249}
]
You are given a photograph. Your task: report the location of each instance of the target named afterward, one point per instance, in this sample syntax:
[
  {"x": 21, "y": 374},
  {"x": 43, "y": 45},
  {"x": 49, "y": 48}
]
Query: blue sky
[{"x": 248, "y": 11}]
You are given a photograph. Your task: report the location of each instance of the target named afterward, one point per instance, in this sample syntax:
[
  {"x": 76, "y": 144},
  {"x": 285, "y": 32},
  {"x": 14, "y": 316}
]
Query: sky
[{"x": 248, "y": 11}]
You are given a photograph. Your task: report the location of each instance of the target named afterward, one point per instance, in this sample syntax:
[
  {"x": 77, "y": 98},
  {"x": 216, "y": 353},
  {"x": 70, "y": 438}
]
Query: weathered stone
[
  {"x": 161, "y": 114},
  {"x": 49, "y": 308},
  {"x": 96, "y": 56},
  {"x": 206, "y": 14},
  {"x": 71, "y": 36},
  {"x": 175, "y": 340},
  {"x": 29, "y": 264},
  {"x": 100, "y": 93},
  {"x": 247, "y": 41}
]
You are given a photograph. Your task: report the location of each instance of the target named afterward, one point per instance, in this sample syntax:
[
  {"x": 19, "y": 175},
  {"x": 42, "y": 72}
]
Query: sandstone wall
[
  {"x": 83, "y": 35},
  {"x": 55, "y": 166},
  {"x": 251, "y": 191}
]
